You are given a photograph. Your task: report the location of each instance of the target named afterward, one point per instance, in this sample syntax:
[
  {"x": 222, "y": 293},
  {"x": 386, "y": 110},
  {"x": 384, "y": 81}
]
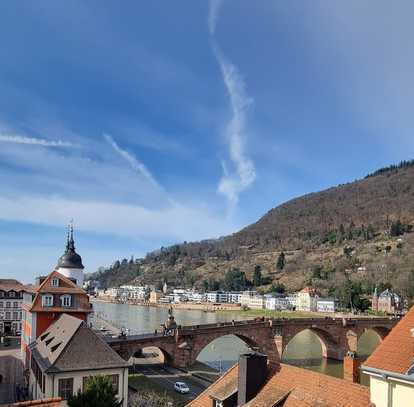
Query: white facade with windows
[
  {"x": 326, "y": 305},
  {"x": 11, "y": 299},
  {"x": 277, "y": 303}
]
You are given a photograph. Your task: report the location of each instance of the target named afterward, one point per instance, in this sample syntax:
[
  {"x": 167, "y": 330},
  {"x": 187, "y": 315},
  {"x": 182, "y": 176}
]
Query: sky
[{"x": 153, "y": 123}]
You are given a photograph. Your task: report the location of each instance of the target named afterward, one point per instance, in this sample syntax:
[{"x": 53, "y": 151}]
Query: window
[
  {"x": 1, "y": 294},
  {"x": 8, "y": 316},
  {"x": 47, "y": 300},
  {"x": 55, "y": 282},
  {"x": 15, "y": 304},
  {"x": 66, "y": 300},
  {"x": 1, "y": 304},
  {"x": 8, "y": 304},
  {"x": 15, "y": 315},
  {"x": 12, "y": 294},
  {"x": 65, "y": 388}
]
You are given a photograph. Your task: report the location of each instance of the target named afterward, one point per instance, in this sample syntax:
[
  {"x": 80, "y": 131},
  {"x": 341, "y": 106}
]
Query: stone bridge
[{"x": 270, "y": 336}]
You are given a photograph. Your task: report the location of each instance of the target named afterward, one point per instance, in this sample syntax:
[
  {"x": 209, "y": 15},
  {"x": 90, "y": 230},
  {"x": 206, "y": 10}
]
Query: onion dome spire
[{"x": 70, "y": 259}]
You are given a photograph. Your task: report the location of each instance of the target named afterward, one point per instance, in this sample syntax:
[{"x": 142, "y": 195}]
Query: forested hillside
[{"x": 357, "y": 233}]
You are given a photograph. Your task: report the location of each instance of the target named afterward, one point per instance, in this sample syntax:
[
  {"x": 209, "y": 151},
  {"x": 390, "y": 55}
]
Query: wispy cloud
[
  {"x": 244, "y": 174},
  {"x": 18, "y": 139},
  {"x": 135, "y": 164},
  {"x": 213, "y": 13},
  {"x": 174, "y": 222}
]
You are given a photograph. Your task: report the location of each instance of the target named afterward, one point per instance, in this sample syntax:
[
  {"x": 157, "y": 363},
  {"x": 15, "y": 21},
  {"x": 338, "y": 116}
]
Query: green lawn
[
  {"x": 275, "y": 314},
  {"x": 143, "y": 384}
]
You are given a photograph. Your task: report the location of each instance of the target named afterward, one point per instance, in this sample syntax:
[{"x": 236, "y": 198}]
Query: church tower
[{"x": 70, "y": 263}]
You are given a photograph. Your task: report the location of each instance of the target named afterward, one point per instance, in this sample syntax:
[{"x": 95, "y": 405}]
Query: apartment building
[{"x": 11, "y": 298}]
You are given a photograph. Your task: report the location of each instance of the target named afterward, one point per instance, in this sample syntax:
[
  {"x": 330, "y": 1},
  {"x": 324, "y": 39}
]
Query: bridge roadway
[{"x": 271, "y": 336}]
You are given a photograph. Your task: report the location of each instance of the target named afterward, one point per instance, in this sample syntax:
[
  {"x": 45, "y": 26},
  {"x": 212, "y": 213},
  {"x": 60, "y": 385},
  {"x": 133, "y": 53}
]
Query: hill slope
[{"x": 325, "y": 236}]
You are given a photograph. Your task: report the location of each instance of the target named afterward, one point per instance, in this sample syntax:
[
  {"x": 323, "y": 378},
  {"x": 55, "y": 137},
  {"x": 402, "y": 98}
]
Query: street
[
  {"x": 166, "y": 376},
  {"x": 11, "y": 370}
]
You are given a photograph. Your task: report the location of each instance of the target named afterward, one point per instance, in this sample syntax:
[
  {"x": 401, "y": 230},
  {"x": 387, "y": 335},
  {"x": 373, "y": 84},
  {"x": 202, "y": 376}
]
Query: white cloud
[
  {"x": 176, "y": 222},
  {"x": 233, "y": 183},
  {"x": 213, "y": 13},
  {"x": 135, "y": 164},
  {"x": 18, "y": 139}
]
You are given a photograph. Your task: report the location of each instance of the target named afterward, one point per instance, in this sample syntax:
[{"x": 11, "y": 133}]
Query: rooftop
[
  {"x": 395, "y": 354},
  {"x": 66, "y": 345},
  {"x": 8, "y": 284},
  {"x": 291, "y": 387}
]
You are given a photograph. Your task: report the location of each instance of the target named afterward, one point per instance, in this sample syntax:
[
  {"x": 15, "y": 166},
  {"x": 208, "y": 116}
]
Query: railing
[{"x": 253, "y": 322}]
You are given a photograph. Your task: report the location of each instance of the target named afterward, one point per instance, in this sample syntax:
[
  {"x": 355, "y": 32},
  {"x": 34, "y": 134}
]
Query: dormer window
[
  {"x": 55, "y": 282},
  {"x": 66, "y": 300},
  {"x": 12, "y": 294},
  {"x": 47, "y": 300}
]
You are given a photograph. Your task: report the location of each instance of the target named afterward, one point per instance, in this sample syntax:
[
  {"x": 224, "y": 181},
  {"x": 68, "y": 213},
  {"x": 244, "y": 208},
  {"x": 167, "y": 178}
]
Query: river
[{"x": 303, "y": 350}]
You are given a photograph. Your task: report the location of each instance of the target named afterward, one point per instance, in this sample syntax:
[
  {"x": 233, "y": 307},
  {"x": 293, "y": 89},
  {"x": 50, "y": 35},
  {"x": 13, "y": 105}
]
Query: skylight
[
  {"x": 54, "y": 347},
  {"x": 49, "y": 340}
]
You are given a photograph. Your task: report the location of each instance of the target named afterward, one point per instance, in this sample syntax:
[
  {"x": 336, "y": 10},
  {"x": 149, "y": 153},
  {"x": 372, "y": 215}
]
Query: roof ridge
[{"x": 71, "y": 338}]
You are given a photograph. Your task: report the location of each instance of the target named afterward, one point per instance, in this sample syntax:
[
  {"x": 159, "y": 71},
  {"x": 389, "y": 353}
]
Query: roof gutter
[{"x": 385, "y": 374}]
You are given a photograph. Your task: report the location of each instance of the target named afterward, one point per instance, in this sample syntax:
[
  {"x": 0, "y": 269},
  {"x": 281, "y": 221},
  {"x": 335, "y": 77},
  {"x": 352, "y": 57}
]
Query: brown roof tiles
[
  {"x": 395, "y": 354},
  {"x": 295, "y": 387}
]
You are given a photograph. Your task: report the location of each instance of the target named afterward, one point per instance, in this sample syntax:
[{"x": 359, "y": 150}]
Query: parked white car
[{"x": 181, "y": 387}]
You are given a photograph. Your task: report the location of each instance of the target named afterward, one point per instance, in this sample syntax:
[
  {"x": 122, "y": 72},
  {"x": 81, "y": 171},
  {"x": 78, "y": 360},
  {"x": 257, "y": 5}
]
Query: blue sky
[{"x": 151, "y": 123}]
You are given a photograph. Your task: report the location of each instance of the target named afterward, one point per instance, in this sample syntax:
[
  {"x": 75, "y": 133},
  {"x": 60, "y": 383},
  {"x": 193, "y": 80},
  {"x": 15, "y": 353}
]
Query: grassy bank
[{"x": 275, "y": 314}]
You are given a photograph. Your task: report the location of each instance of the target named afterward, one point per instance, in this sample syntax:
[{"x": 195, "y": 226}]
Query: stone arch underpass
[
  {"x": 335, "y": 336},
  {"x": 257, "y": 336},
  {"x": 331, "y": 346}
]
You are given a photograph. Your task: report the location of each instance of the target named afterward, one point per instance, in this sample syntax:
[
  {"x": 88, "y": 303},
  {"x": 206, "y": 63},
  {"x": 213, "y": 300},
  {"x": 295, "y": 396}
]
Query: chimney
[
  {"x": 252, "y": 376},
  {"x": 351, "y": 367}
]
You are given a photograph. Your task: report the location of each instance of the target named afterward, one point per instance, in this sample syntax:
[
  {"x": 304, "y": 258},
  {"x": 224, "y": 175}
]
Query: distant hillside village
[{"x": 306, "y": 300}]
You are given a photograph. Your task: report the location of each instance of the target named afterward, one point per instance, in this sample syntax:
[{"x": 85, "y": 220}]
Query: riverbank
[{"x": 188, "y": 306}]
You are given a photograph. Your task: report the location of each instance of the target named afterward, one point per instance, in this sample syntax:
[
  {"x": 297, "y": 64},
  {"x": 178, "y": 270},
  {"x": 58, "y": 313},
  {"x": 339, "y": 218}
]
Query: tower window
[
  {"x": 66, "y": 300},
  {"x": 55, "y": 282},
  {"x": 47, "y": 300}
]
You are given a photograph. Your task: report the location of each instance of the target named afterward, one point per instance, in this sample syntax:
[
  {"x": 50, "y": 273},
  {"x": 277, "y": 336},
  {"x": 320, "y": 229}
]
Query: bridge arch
[
  {"x": 330, "y": 347},
  {"x": 152, "y": 355},
  {"x": 260, "y": 339}
]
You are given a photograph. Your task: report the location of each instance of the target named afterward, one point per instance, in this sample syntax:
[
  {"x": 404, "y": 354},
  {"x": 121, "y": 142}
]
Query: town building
[
  {"x": 326, "y": 305},
  {"x": 51, "y": 297},
  {"x": 292, "y": 299},
  {"x": 11, "y": 298},
  {"x": 234, "y": 297},
  {"x": 388, "y": 301},
  {"x": 307, "y": 300},
  {"x": 277, "y": 302},
  {"x": 66, "y": 355},
  {"x": 246, "y": 296},
  {"x": 155, "y": 296},
  {"x": 391, "y": 366}
]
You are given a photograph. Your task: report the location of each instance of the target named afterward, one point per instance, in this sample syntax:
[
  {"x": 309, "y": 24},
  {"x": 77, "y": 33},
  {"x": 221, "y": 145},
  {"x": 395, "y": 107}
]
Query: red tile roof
[
  {"x": 396, "y": 352},
  {"x": 8, "y": 284},
  {"x": 297, "y": 388}
]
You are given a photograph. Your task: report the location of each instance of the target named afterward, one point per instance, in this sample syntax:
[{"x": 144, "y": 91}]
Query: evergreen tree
[
  {"x": 98, "y": 392},
  {"x": 257, "y": 276},
  {"x": 281, "y": 261}
]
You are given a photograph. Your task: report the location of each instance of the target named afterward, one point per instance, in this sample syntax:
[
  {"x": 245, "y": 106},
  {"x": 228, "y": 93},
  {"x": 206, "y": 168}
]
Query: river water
[{"x": 303, "y": 350}]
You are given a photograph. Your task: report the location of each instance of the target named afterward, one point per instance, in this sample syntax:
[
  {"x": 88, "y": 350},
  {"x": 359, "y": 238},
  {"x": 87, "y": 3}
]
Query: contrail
[
  {"x": 232, "y": 184},
  {"x": 135, "y": 164},
  {"x": 213, "y": 13},
  {"x": 16, "y": 139}
]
